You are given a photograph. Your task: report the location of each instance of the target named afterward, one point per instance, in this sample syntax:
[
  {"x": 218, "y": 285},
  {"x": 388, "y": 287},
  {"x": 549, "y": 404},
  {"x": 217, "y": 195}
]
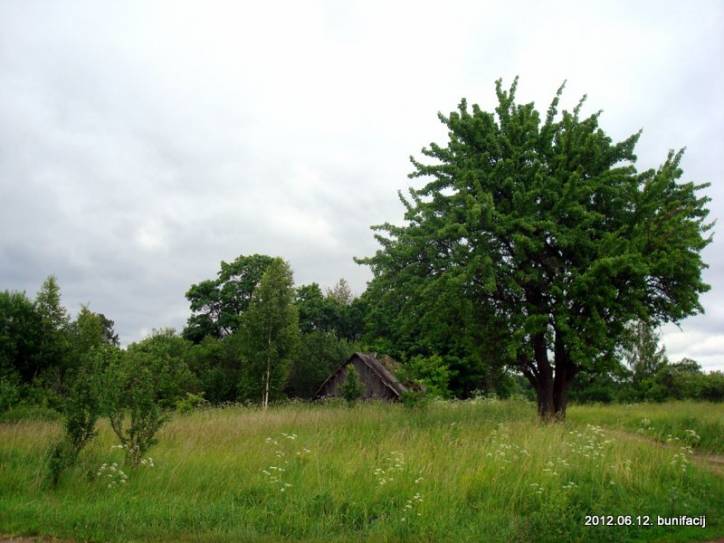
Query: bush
[
  {"x": 191, "y": 402},
  {"x": 712, "y": 387},
  {"x": 134, "y": 400},
  {"x": 351, "y": 390},
  {"x": 9, "y": 393},
  {"x": 415, "y": 398},
  {"x": 81, "y": 410},
  {"x": 171, "y": 378},
  {"x": 432, "y": 372}
]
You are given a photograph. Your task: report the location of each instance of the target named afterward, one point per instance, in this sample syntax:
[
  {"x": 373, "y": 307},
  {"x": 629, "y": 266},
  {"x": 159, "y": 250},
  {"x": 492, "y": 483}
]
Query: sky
[{"x": 141, "y": 143}]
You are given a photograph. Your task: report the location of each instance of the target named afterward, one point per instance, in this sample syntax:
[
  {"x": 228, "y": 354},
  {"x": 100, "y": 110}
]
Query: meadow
[{"x": 483, "y": 470}]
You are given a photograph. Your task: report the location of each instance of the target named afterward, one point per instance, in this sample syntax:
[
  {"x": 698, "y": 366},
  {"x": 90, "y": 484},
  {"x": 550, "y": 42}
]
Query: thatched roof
[{"x": 384, "y": 374}]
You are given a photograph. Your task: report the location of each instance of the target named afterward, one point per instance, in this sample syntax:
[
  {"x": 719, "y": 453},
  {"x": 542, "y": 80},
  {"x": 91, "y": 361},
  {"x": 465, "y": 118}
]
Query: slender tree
[{"x": 271, "y": 333}]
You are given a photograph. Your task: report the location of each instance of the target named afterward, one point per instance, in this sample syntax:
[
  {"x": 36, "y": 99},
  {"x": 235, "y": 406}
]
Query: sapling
[
  {"x": 351, "y": 390},
  {"x": 132, "y": 403}
]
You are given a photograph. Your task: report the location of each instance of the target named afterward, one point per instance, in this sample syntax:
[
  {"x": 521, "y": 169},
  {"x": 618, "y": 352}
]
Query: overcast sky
[{"x": 142, "y": 143}]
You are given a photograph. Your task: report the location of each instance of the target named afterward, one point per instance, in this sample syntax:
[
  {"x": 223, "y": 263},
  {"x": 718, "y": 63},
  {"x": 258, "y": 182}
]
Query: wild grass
[
  {"x": 697, "y": 424},
  {"x": 453, "y": 471}
]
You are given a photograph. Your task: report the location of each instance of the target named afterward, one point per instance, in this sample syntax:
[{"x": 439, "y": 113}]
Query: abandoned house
[{"x": 377, "y": 381}]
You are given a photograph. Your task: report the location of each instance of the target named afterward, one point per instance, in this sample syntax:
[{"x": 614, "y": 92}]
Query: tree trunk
[
  {"x": 551, "y": 384},
  {"x": 553, "y": 397},
  {"x": 267, "y": 376}
]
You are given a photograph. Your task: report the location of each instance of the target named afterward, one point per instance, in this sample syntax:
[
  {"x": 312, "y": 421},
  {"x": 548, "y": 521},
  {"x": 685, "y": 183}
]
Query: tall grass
[
  {"x": 698, "y": 424},
  {"x": 453, "y": 471}
]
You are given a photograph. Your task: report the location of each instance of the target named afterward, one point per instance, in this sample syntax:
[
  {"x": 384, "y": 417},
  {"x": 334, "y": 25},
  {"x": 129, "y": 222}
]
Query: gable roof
[{"x": 378, "y": 368}]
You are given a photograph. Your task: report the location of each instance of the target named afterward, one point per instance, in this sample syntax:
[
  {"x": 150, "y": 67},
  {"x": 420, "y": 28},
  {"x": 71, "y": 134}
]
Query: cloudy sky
[{"x": 141, "y": 143}]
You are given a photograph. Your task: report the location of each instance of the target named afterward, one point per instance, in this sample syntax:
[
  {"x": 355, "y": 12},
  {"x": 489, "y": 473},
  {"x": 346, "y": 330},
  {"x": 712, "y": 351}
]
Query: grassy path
[{"x": 712, "y": 462}]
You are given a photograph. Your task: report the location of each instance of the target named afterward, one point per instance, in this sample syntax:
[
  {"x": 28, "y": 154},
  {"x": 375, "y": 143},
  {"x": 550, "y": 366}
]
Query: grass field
[{"x": 452, "y": 471}]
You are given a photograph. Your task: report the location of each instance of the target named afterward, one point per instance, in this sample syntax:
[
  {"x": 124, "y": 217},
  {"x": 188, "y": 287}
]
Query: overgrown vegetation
[{"x": 456, "y": 471}]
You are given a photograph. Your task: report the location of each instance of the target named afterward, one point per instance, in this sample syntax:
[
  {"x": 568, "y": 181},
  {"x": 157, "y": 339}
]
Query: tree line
[{"x": 534, "y": 259}]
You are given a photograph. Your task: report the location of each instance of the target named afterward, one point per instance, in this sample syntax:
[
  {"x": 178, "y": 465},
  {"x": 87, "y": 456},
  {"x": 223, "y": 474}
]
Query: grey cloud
[{"x": 140, "y": 144}]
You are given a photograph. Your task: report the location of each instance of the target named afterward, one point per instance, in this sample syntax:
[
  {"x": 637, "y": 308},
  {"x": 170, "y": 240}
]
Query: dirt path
[{"x": 712, "y": 462}]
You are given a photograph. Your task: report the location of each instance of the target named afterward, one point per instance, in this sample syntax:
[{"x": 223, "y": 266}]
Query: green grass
[
  {"x": 697, "y": 424},
  {"x": 456, "y": 471}
]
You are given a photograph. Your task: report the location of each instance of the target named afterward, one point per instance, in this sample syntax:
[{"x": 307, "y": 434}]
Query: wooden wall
[{"x": 372, "y": 385}]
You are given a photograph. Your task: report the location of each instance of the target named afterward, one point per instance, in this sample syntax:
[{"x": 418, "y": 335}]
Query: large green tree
[
  {"x": 544, "y": 226},
  {"x": 217, "y": 304},
  {"x": 271, "y": 334}
]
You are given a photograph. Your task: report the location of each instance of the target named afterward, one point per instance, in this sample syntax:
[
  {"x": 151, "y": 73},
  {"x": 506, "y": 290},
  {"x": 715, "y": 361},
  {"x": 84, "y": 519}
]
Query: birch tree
[{"x": 271, "y": 334}]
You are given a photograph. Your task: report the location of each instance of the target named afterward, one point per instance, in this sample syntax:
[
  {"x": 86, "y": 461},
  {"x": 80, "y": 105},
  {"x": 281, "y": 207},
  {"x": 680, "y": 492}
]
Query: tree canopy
[
  {"x": 217, "y": 304},
  {"x": 543, "y": 235}
]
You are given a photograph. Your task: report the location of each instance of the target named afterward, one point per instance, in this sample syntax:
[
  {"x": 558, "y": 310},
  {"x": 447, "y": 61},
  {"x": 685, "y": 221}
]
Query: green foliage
[
  {"x": 216, "y": 366},
  {"x": 48, "y": 304},
  {"x": 318, "y": 355},
  {"x": 337, "y": 311},
  {"x": 217, "y": 305},
  {"x": 191, "y": 402},
  {"x": 21, "y": 332},
  {"x": 711, "y": 387},
  {"x": 133, "y": 391},
  {"x": 341, "y": 293},
  {"x": 351, "y": 389},
  {"x": 82, "y": 405},
  {"x": 539, "y": 232},
  {"x": 432, "y": 372},
  {"x": 169, "y": 353},
  {"x": 416, "y": 399},
  {"x": 136, "y": 387},
  {"x": 9, "y": 391},
  {"x": 270, "y": 331},
  {"x": 641, "y": 351}
]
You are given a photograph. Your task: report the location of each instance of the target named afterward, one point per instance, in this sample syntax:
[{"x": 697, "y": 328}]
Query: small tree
[
  {"x": 642, "y": 351},
  {"x": 351, "y": 389},
  {"x": 132, "y": 398},
  {"x": 271, "y": 334},
  {"x": 81, "y": 408}
]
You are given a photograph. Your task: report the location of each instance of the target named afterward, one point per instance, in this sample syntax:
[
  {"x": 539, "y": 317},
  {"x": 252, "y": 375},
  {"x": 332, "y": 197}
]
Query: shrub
[
  {"x": 81, "y": 410},
  {"x": 432, "y": 372},
  {"x": 133, "y": 401},
  {"x": 191, "y": 402},
  {"x": 351, "y": 390},
  {"x": 9, "y": 393},
  {"x": 712, "y": 387}
]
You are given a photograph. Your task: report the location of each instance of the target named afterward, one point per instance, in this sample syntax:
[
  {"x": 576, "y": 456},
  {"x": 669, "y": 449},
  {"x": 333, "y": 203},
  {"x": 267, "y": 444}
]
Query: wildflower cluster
[
  {"x": 148, "y": 462},
  {"x": 284, "y": 449},
  {"x": 570, "y": 485},
  {"x": 274, "y": 475},
  {"x": 411, "y": 507},
  {"x": 536, "y": 488},
  {"x": 590, "y": 443},
  {"x": 682, "y": 459},
  {"x": 479, "y": 396},
  {"x": 691, "y": 437},
  {"x": 553, "y": 468},
  {"x": 502, "y": 449},
  {"x": 392, "y": 464},
  {"x": 111, "y": 475},
  {"x": 645, "y": 425}
]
